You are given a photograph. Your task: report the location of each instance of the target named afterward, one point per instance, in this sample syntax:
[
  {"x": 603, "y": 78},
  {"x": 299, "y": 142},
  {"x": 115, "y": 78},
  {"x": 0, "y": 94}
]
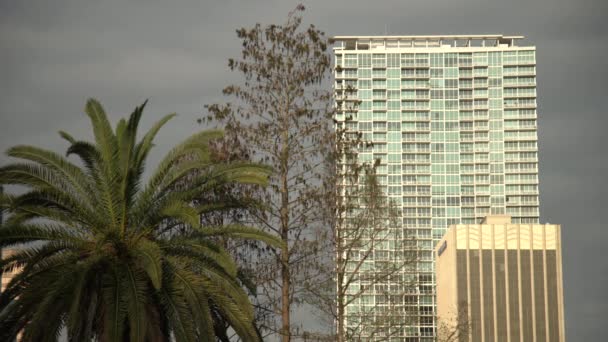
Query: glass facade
[{"x": 454, "y": 129}]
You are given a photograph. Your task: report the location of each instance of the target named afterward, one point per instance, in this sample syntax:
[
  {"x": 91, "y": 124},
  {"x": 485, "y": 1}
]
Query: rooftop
[
  {"x": 431, "y": 37},
  {"x": 497, "y": 219},
  {"x": 420, "y": 41}
]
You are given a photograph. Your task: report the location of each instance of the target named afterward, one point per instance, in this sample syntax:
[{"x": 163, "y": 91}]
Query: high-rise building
[
  {"x": 453, "y": 122},
  {"x": 502, "y": 281}
]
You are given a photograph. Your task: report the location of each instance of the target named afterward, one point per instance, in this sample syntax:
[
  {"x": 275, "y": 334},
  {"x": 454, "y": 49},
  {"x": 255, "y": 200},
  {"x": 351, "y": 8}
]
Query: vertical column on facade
[
  {"x": 532, "y": 292},
  {"x": 560, "y": 284},
  {"x": 507, "y": 289},
  {"x": 547, "y": 331},
  {"x": 469, "y": 311},
  {"x": 481, "y": 291},
  {"x": 519, "y": 281},
  {"x": 494, "y": 306}
]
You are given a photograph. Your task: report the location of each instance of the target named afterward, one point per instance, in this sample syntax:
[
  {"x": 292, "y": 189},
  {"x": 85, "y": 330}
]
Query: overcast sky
[{"x": 56, "y": 54}]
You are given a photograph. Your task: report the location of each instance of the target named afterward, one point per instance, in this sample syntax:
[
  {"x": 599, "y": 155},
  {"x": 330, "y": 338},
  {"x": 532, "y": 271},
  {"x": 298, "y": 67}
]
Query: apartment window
[
  {"x": 495, "y": 82},
  {"x": 350, "y": 60},
  {"x": 379, "y": 73},
  {"x": 365, "y": 94},
  {"x": 379, "y": 60},
  {"x": 338, "y": 60},
  {"x": 393, "y": 84},
  {"x": 436, "y": 72},
  {"x": 449, "y": 83},
  {"x": 394, "y": 126},
  {"x": 393, "y": 73},
  {"x": 379, "y": 126},
  {"x": 436, "y": 59},
  {"x": 379, "y": 116},
  {"x": 364, "y": 73},
  {"x": 365, "y": 84},
  {"x": 393, "y": 60},
  {"x": 365, "y": 60},
  {"x": 379, "y": 84},
  {"x": 480, "y": 58}
]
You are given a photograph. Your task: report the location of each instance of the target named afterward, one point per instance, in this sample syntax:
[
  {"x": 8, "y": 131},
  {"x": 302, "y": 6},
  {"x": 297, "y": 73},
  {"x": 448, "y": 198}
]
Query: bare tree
[
  {"x": 369, "y": 260},
  {"x": 282, "y": 115},
  {"x": 369, "y": 254}
]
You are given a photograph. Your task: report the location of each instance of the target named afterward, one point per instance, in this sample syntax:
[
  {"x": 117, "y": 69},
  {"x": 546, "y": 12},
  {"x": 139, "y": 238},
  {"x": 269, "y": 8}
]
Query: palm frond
[
  {"x": 241, "y": 232},
  {"x": 134, "y": 285},
  {"x": 18, "y": 234},
  {"x": 104, "y": 259},
  {"x": 115, "y": 308},
  {"x": 71, "y": 173},
  {"x": 149, "y": 257}
]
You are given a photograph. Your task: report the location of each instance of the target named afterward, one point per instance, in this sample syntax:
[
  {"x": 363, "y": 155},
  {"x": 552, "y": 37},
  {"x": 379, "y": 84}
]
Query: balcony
[
  {"x": 521, "y": 93},
  {"x": 521, "y": 104},
  {"x": 518, "y": 136},
  {"x": 414, "y": 76}
]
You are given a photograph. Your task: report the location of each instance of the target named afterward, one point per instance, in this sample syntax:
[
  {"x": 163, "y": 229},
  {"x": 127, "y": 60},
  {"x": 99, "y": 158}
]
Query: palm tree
[{"x": 108, "y": 259}]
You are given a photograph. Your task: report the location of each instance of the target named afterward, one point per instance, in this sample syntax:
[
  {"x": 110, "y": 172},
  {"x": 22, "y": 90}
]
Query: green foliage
[{"x": 111, "y": 259}]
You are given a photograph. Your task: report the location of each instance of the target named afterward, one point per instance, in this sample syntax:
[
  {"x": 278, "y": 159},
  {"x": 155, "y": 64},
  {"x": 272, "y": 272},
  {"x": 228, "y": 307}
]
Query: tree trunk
[
  {"x": 285, "y": 276},
  {"x": 341, "y": 329},
  {"x": 286, "y": 283},
  {"x": 341, "y": 293}
]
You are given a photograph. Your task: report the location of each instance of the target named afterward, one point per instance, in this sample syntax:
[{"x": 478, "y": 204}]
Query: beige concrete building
[
  {"x": 7, "y": 276},
  {"x": 502, "y": 281}
]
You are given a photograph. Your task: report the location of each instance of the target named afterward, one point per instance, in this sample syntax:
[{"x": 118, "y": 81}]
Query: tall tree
[
  {"x": 111, "y": 260},
  {"x": 282, "y": 113}
]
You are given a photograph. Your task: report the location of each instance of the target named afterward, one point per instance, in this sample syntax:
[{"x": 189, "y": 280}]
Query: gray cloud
[{"x": 56, "y": 54}]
